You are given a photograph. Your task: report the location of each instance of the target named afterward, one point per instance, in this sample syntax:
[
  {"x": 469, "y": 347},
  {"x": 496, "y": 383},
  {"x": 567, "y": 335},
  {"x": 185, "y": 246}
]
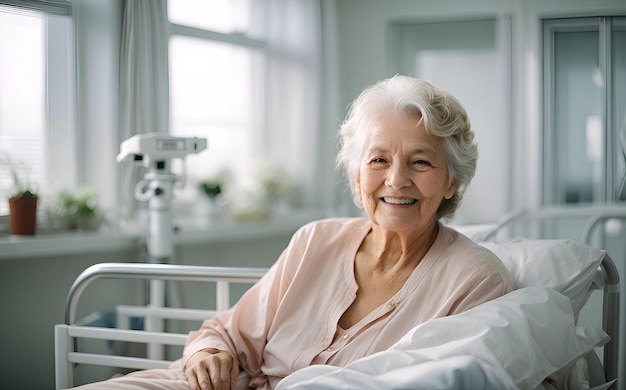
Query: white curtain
[{"x": 144, "y": 85}]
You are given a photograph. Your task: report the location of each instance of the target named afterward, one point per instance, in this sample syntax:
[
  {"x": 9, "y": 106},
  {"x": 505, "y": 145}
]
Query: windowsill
[
  {"x": 189, "y": 231},
  {"x": 58, "y": 244}
]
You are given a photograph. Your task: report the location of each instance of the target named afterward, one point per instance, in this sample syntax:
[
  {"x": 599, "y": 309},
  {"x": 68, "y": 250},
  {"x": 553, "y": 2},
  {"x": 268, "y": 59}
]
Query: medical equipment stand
[
  {"x": 154, "y": 151},
  {"x": 159, "y": 242}
]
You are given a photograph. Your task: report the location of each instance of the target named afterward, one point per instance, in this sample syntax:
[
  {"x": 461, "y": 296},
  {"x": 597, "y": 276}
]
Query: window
[
  {"x": 216, "y": 84},
  {"x": 245, "y": 74},
  {"x": 22, "y": 98},
  {"x": 36, "y": 110},
  {"x": 584, "y": 110}
]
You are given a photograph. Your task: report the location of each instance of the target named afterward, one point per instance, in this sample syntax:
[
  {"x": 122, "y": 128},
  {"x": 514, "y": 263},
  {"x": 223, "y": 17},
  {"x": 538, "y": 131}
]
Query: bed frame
[{"x": 66, "y": 335}]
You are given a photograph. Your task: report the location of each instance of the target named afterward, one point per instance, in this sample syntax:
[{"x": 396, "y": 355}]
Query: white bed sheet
[{"x": 515, "y": 341}]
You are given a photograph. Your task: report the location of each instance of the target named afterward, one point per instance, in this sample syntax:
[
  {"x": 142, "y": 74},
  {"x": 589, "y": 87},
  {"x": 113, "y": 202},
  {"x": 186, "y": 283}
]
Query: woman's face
[{"x": 403, "y": 176}]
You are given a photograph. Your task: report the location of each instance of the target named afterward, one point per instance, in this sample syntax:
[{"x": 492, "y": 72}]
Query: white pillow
[
  {"x": 518, "y": 340},
  {"x": 566, "y": 266}
]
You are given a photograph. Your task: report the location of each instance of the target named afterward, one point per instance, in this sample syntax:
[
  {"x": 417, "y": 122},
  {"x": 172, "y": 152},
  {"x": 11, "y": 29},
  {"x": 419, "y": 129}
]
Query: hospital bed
[{"x": 570, "y": 267}]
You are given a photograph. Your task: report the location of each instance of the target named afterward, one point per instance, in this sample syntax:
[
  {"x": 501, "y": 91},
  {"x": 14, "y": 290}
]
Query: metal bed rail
[
  {"x": 594, "y": 214},
  {"x": 66, "y": 354},
  {"x": 611, "y": 320}
]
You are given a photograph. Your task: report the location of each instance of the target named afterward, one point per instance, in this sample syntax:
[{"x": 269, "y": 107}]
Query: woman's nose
[{"x": 398, "y": 176}]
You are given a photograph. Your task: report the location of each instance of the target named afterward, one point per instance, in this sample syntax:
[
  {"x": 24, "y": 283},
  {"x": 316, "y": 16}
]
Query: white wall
[
  {"x": 98, "y": 30},
  {"x": 469, "y": 59}
]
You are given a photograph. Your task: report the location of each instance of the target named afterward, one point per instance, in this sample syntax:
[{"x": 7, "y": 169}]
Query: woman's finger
[
  {"x": 219, "y": 371},
  {"x": 202, "y": 376},
  {"x": 198, "y": 377},
  {"x": 192, "y": 380}
]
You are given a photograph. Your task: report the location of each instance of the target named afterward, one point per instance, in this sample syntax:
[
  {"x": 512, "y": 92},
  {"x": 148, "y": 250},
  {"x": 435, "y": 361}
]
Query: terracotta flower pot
[{"x": 23, "y": 215}]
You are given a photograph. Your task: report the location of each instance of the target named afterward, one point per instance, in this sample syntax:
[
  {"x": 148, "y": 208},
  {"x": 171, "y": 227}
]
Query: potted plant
[
  {"x": 78, "y": 209},
  {"x": 22, "y": 201},
  {"x": 23, "y": 213},
  {"x": 211, "y": 188},
  {"x": 212, "y": 191}
]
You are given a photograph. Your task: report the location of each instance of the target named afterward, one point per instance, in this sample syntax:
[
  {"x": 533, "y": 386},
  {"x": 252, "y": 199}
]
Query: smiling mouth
[{"x": 403, "y": 201}]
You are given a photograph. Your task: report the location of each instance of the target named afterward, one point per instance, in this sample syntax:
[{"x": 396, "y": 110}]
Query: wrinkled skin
[{"x": 211, "y": 369}]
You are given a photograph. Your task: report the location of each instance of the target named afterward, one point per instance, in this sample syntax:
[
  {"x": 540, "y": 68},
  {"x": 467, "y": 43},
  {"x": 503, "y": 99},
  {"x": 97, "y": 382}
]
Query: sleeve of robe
[{"x": 242, "y": 330}]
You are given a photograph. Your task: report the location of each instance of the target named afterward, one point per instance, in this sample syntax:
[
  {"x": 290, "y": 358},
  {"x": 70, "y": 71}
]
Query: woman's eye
[
  {"x": 422, "y": 164},
  {"x": 378, "y": 160}
]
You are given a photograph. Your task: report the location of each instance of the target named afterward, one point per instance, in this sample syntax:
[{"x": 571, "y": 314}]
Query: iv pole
[{"x": 154, "y": 151}]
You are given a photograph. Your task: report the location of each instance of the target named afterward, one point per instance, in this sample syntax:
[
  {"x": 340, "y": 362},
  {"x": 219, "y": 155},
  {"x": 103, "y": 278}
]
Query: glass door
[{"x": 584, "y": 110}]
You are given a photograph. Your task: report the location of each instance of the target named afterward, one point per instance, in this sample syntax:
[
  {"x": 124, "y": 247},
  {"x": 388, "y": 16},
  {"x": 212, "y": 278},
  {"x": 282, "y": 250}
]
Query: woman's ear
[
  {"x": 450, "y": 191},
  {"x": 357, "y": 184}
]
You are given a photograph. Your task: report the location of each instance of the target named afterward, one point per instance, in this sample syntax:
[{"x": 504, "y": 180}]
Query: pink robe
[{"x": 288, "y": 320}]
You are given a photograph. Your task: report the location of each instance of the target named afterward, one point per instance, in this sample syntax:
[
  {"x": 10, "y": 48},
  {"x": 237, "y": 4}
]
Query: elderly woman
[{"x": 347, "y": 288}]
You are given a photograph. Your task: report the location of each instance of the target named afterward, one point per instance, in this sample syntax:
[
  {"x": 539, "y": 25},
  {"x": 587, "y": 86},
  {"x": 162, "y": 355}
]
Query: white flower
[{"x": 271, "y": 180}]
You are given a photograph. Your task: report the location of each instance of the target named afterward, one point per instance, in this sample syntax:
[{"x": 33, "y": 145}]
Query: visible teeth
[{"x": 398, "y": 201}]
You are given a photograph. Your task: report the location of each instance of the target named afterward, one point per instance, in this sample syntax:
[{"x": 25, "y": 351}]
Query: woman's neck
[{"x": 394, "y": 250}]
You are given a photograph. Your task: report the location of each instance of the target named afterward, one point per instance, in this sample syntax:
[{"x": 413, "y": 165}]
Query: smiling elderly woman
[{"x": 345, "y": 288}]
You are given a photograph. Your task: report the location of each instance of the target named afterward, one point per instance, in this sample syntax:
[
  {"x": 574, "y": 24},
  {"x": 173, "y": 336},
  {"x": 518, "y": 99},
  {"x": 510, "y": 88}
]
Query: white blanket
[{"x": 515, "y": 341}]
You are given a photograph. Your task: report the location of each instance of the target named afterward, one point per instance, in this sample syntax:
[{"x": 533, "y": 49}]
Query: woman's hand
[{"x": 211, "y": 369}]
